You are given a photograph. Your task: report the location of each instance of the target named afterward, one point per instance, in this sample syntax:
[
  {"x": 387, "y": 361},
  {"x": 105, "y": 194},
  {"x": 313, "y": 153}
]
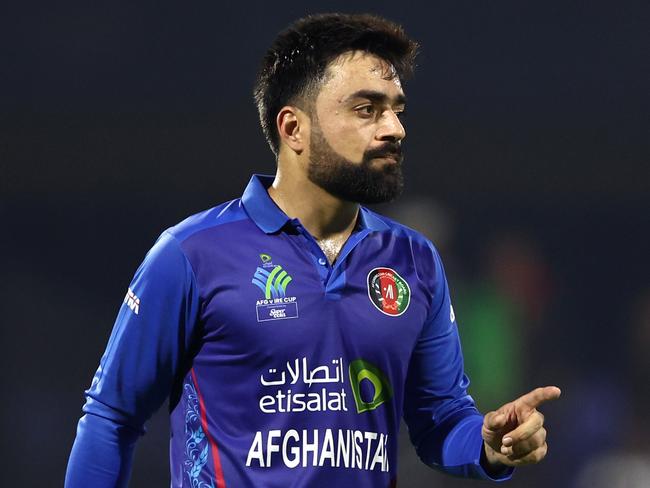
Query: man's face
[{"x": 355, "y": 140}]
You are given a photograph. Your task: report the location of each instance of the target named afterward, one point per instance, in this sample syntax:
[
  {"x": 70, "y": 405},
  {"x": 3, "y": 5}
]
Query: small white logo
[
  {"x": 278, "y": 313},
  {"x": 452, "y": 315},
  {"x": 132, "y": 301}
]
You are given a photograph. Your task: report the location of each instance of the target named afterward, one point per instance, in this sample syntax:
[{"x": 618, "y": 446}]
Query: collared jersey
[{"x": 282, "y": 370}]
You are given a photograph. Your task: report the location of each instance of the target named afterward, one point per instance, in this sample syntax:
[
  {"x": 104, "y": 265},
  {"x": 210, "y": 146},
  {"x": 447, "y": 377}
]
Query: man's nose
[{"x": 391, "y": 128}]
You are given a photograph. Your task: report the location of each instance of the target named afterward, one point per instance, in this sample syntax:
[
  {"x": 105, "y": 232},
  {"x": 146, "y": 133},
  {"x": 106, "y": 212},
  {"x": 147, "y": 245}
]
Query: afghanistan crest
[{"x": 388, "y": 291}]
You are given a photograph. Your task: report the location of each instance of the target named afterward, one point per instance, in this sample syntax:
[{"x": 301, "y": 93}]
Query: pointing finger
[{"x": 540, "y": 395}]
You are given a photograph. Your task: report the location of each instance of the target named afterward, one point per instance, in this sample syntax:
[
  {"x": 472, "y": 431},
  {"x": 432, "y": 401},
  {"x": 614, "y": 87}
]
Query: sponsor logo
[
  {"x": 381, "y": 391},
  {"x": 132, "y": 301},
  {"x": 388, "y": 291},
  {"x": 289, "y": 388},
  {"x": 292, "y": 384},
  {"x": 278, "y": 313},
  {"x": 273, "y": 281},
  {"x": 302, "y": 386}
]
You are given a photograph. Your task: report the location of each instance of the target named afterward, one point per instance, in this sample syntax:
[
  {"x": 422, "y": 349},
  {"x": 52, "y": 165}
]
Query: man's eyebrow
[{"x": 376, "y": 96}]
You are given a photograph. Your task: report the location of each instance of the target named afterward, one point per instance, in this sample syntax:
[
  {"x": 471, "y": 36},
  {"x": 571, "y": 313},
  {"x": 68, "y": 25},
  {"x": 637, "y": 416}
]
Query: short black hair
[{"x": 301, "y": 53}]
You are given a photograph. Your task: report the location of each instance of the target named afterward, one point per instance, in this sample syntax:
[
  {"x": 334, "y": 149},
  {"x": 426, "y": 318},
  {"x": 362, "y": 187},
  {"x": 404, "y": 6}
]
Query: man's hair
[{"x": 297, "y": 61}]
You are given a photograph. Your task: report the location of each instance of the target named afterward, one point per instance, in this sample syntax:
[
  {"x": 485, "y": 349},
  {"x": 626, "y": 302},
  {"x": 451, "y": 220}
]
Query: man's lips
[
  {"x": 395, "y": 158},
  {"x": 390, "y": 152}
]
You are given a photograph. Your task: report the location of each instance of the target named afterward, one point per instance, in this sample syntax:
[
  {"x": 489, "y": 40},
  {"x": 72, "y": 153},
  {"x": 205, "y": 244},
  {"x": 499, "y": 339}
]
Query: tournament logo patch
[
  {"x": 273, "y": 281},
  {"x": 388, "y": 291}
]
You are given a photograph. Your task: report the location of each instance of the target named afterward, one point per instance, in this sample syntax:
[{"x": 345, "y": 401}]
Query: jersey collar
[
  {"x": 269, "y": 218},
  {"x": 369, "y": 220},
  {"x": 260, "y": 207}
]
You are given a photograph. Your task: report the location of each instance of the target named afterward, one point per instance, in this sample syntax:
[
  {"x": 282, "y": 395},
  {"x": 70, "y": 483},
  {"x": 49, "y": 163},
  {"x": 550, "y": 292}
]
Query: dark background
[{"x": 527, "y": 162}]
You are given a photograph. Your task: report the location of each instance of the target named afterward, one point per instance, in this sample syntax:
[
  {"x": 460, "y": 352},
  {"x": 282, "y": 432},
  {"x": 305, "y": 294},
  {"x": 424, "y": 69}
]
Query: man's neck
[{"x": 328, "y": 219}]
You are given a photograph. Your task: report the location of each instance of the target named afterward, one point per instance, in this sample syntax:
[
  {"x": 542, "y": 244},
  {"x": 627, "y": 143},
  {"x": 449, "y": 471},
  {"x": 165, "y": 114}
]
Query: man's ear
[{"x": 292, "y": 124}]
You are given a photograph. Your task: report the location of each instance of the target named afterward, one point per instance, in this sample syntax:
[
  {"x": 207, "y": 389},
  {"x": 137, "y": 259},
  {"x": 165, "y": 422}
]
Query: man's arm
[
  {"x": 446, "y": 428},
  {"x": 444, "y": 424},
  {"x": 149, "y": 341}
]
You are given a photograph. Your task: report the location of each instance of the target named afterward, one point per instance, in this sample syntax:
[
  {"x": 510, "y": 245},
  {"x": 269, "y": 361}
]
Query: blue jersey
[{"x": 282, "y": 370}]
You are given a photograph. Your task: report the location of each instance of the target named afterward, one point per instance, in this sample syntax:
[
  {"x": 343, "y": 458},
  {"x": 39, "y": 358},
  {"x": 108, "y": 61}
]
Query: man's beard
[{"x": 355, "y": 182}]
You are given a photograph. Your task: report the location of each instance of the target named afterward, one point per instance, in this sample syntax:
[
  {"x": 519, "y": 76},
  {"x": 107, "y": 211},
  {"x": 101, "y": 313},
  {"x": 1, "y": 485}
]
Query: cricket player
[{"x": 292, "y": 328}]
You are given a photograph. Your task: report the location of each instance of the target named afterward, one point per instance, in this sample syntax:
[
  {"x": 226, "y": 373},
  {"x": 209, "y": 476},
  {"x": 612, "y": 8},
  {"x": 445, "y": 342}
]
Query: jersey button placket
[
  {"x": 322, "y": 265},
  {"x": 316, "y": 253}
]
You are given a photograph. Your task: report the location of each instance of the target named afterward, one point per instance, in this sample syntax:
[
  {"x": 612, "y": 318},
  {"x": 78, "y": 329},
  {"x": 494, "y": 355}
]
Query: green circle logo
[{"x": 360, "y": 370}]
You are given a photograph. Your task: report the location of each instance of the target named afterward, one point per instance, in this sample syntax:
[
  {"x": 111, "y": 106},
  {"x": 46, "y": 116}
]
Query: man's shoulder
[
  {"x": 381, "y": 222},
  {"x": 222, "y": 214},
  {"x": 425, "y": 258}
]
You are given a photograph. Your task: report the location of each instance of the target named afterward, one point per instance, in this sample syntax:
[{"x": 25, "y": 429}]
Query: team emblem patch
[{"x": 388, "y": 291}]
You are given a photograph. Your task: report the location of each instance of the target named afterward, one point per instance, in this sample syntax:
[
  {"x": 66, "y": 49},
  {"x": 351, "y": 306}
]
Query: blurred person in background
[
  {"x": 502, "y": 303},
  {"x": 503, "y": 306}
]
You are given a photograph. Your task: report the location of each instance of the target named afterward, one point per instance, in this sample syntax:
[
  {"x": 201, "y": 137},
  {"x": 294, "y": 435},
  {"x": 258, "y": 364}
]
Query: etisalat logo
[
  {"x": 301, "y": 386},
  {"x": 360, "y": 370},
  {"x": 370, "y": 387},
  {"x": 273, "y": 280}
]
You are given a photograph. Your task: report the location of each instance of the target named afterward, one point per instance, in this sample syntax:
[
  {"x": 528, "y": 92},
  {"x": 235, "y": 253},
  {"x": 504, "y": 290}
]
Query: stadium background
[{"x": 526, "y": 162}]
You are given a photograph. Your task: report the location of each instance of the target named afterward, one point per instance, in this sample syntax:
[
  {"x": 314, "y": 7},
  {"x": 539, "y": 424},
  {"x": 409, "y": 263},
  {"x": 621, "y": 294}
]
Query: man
[{"x": 292, "y": 328}]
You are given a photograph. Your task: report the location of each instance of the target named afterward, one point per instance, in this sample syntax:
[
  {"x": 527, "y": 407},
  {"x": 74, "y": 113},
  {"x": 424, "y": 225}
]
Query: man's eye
[{"x": 366, "y": 110}]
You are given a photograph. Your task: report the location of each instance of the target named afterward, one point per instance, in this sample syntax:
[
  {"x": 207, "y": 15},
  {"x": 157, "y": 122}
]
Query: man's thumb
[{"x": 494, "y": 421}]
